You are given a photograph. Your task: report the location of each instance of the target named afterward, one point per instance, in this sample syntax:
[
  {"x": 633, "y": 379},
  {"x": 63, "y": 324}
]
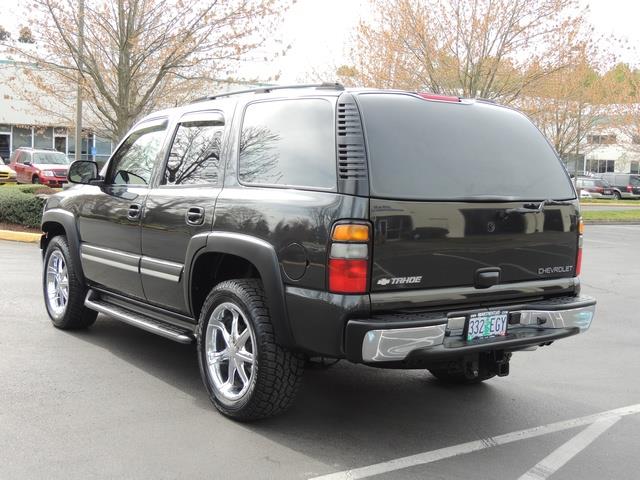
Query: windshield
[
  {"x": 52, "y": 158},
  {"x": 426, "y": 150}
]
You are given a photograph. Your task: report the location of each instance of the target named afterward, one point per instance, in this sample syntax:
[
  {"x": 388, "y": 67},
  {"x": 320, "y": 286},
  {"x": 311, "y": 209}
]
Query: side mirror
[
  {"x": 27, "y": 163},
  {"x": 84, "y": 172}
]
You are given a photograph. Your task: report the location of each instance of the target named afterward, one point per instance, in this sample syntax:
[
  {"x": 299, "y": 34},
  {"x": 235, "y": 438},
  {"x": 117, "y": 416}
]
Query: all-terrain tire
[
  {"x": 277, "y": 372},
  {"x": 74, "y": 315}
]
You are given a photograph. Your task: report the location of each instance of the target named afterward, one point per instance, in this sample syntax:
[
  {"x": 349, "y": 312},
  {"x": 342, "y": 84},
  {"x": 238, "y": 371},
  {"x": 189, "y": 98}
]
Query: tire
[
  {"x": 262, "y": 387},
  {"x": 59, "y": 272},
  {"x": 35, "y": 180},
  {"x": 617, "y": 195}
]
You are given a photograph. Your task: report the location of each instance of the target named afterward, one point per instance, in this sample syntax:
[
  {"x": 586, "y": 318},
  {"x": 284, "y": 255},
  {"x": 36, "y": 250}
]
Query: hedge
[{"x": 20, "y": 205}]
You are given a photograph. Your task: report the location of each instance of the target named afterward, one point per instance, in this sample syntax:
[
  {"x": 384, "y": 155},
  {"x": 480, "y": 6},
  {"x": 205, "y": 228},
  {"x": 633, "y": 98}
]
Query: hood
[
  {"x": 50, "y": 166},
  {"x": 6, "y": 168}
]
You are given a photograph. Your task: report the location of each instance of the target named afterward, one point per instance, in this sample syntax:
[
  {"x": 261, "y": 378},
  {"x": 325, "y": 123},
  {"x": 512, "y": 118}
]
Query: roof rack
[{"x": 325, "y": 85}]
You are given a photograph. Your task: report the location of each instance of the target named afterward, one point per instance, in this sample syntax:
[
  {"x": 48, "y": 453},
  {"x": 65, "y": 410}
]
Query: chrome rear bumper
[{"x": 441, "y": 335}]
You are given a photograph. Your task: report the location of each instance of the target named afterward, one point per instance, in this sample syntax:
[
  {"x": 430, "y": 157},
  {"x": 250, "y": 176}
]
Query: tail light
[
  {"x": 629, "y": 189},
  {"x": 348, "y": 264},
  {"x": 579, "y": 256},
  {"x": 600, "y": 190}
]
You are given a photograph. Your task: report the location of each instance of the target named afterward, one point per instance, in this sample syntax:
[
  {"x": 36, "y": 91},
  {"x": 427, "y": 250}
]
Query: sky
[{"x": 319, "y": 32}]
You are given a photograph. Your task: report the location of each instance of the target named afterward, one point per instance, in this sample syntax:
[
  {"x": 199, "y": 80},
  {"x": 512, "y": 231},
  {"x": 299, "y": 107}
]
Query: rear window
[
  {"x": 427, "y": 150},
  {"x": 635, "y": 181},
  {"x": 289, "y": 143}
]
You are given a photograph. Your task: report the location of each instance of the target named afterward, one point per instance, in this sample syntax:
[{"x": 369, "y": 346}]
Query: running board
[{"x": 135, "y": 319}]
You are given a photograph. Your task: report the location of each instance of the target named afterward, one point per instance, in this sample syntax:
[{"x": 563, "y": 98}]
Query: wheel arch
[
  {"x": 227, "y": 255},
  {"x": 61, "y": 222}
]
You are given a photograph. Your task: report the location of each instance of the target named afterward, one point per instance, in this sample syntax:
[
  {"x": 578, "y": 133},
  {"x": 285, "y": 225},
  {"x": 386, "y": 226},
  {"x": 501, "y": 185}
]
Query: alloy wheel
[
  {"x": 230, "y": 351},
  {"x": 57, "y": 284}
]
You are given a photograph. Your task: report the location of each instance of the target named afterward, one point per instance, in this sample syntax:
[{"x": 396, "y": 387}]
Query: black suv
[
  {"x": 624, "y": 185},
  {"x": 280, "y": 225}
]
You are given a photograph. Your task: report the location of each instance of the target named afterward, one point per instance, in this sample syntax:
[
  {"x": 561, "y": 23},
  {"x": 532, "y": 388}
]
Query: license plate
[{"x": 487, "y": 325}]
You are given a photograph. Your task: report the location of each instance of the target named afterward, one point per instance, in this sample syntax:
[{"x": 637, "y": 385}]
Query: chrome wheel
[
  {"x": 230, "y": 351},
  {"x": 57, "y": 284}
]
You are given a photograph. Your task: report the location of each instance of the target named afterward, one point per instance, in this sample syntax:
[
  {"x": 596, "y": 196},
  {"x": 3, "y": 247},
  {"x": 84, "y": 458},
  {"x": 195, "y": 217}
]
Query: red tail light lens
[
  {"x": 348, "y": 276},
  {"x": 629, "y": 188},
  {"x": 579, "y": 256}
]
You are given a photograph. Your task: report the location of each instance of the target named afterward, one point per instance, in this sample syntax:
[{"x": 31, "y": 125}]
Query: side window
[
  {"x": 133, "y": 163},
  {"x": 288, "y": 142},
  {"x": 195, "y": 154}
]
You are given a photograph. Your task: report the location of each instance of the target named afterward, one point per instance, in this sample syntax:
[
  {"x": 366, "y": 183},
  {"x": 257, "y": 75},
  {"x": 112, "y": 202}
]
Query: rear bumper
[{"x": 432, "y": 337}]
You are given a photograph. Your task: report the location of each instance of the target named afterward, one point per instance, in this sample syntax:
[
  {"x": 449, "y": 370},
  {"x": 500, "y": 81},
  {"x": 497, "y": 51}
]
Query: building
[
  {"x": 612, "y": 150},
  {"x": 25, "y": 125}
]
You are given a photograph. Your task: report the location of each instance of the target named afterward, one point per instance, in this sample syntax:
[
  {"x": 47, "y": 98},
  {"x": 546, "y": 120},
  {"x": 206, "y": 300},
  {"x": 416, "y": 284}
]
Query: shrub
[{"x": 21, "y": 207}]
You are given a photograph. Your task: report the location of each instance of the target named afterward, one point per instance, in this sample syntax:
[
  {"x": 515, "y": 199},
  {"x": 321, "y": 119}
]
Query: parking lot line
[
  {"x": 476, "y": 445},
  {"x": 554, "y": 461}
]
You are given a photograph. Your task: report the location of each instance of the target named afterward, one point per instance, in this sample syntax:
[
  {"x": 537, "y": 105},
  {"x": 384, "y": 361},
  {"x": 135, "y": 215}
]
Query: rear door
[
  {"x": 455, "y": 190},
  {"x": 181, "y": 205}
]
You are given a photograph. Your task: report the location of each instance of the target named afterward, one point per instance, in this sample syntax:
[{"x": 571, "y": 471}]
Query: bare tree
[
  {"x": 477, "y": 48},
  {"x": 4, "y": 34},
  {"x": 26, "y": 36},
  {"x": 567, "y": 105},
  {"x": 140, "y": 55}
]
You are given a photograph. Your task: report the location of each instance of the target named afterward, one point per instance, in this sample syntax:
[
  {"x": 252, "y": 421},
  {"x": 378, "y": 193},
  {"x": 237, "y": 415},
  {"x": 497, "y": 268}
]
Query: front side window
[
  {"x": 133, "y": 163},
  {"x": 288, "y": 143},
  {"x": 195, "y": 154}
]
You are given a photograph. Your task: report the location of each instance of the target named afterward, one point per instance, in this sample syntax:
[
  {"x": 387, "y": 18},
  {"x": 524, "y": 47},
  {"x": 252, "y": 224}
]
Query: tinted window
[
  {"x": 421, "y": 149},
  {"x": 195, "y": 154},
  {"x": 635, "y": 181},
  {"x": 133, "y": 163},
  {"x": 288, "y": 142}
]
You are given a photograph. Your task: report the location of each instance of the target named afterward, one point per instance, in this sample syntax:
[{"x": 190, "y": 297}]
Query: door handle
[
  {"x": 134, "y": 211},
  {"x": 195, "y": 216}
]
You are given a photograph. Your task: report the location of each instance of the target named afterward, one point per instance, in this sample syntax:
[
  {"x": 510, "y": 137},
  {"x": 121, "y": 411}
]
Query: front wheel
[
  {"x": 247, "y": 374},
  {"x": 35, "y": 180},
  {"x": 63, "y": 290},
  {"x": 617, "y": 195}
]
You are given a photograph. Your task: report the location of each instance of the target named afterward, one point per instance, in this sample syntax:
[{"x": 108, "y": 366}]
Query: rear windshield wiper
[{"x": 535, "y": 208}]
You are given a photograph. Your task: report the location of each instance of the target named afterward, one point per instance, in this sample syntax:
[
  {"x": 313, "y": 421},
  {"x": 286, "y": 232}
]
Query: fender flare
[
  {"x": 68, "y": 221},
  {"x": 262, "y": 255}
]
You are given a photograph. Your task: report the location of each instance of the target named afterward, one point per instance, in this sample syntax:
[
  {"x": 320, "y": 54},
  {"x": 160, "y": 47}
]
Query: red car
[{"x": 47, "y": 167}]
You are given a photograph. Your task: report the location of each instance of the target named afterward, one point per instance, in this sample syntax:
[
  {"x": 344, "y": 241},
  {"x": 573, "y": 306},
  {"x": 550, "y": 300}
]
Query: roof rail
[{"x": 325, "y": 85}]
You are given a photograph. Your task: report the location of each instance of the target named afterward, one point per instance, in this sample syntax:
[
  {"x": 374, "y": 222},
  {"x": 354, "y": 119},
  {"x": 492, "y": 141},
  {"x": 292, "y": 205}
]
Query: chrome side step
[{"x": 143, "y": 322}]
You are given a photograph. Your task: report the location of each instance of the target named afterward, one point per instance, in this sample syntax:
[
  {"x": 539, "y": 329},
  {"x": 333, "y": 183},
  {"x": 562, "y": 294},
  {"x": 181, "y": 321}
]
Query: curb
[{"x": 19, "y": 236}]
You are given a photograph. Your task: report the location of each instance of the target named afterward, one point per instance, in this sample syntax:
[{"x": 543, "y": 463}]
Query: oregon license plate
[{"x": 487, "y": 324}]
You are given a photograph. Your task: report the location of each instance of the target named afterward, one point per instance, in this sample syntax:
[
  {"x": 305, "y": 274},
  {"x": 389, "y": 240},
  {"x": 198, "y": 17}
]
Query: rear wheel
[
  {"x": 247, "y": 374},
  {"x": 64, "y": 293},
  {"x": 617, "y": 195}
]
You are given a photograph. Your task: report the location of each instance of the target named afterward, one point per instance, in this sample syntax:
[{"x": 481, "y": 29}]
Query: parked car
[
  {"x": 625, "y": 185},
  {"x": 282, "y": 224},
  {"x": 7, "y": 175},
  {"x": 595, "y": 187},
  {"x": 48, "y": 167}
]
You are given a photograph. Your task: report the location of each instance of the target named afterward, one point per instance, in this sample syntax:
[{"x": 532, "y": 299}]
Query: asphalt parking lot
[{"x": 116, "y": 402}]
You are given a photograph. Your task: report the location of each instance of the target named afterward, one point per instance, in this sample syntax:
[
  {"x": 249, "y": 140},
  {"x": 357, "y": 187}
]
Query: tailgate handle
[{"x": 487, "y": 277}]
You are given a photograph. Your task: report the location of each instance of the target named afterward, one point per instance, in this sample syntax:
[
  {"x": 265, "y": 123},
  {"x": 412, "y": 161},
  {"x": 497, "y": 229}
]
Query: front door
[
  {"x": 110, "y": 215},
  {"x": 181, "y": 205}
]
